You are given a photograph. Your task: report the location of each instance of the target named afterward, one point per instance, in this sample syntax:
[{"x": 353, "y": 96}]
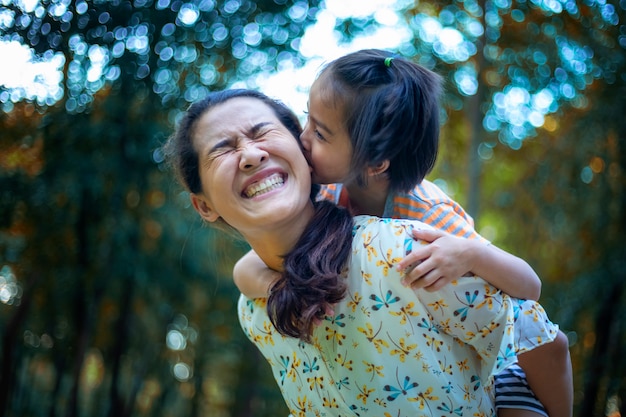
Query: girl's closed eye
[
  {"x": 310, "y": 124},
  {"x": 319, "y": 135}
]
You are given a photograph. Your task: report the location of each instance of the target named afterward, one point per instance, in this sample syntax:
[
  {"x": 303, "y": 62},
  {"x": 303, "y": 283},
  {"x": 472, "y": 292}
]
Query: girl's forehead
[{"x": 324, "y": 90}]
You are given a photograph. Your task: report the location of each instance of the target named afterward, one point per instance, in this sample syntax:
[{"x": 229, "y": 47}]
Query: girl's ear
[
  {"x": 203, "y": 207},
  {"x": 380, "y": 168}
]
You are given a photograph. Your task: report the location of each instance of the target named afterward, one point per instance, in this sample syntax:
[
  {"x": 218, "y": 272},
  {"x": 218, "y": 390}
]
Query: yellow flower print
[
  {"x": 383, "y": 404},
  {"x": 315, "y": 381},
  {"x": 256, "y": 338},
  {"x": 333, "y": 334},
  {"x": 301, "y": 407},
  {"x": 268, "y": 332},
  {"x": 292, "y": 373},
  {"x": 405, "y": 312},
  {"x": 486, "y": 331},
  {"x": 444, "y": 367},
  {"x": 423, "y": 398},
  {"x": 366, "y": 277},
  {"x": 490, "y": 294},
  {"x": 402, "y": 349},
  {"x": 438, "y": 305},
  {"x": 367, "y": 245},
  {"x": 371, "y": 336},
  {"x": 374, "y": 369},
  {"x": 355, "y": 299},
  {"x": 532, "y": 312},
  {"x": 463, "y": 365},
  {"x": 468, "y": 393},
  {"x": 444, "y": 326},
  {"x": 344, "y": 361},
  {"x": 432, "y": 342},
  {"x": 364, "y": 393},
  {"x": 329, "y": 403},
  {"x": 388, "y": 262}
]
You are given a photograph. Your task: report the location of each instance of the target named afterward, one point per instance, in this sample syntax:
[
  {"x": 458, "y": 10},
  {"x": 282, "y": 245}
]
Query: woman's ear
[
  {"x": 203, "y": 207},
  {"x": 380, "y": 168}
]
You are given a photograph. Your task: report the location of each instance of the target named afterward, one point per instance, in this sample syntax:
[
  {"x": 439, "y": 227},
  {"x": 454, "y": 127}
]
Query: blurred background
[{"x": 116, "y": 301}]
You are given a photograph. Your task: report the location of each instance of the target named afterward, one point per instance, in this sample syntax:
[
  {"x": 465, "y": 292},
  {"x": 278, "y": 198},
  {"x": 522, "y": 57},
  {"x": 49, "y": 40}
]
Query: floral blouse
[{"x": 390, "y": 351}]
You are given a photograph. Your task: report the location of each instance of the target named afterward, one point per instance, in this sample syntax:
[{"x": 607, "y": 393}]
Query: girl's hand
[{"x": 440, "y": 261}]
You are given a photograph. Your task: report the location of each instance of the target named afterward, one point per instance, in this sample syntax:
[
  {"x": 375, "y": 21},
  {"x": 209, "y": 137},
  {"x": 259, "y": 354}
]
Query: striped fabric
[
  {"x": 512, "y": 391},
  {"x": 426, "y": 203}
]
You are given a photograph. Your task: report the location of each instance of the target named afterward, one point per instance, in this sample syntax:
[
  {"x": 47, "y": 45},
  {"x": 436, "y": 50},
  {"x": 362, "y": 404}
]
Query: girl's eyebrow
[{"x": 322, "y": 125}]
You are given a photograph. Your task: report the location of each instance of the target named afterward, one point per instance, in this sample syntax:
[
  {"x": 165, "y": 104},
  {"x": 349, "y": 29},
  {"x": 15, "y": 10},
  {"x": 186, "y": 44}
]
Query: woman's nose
[{"x": 252, "y": 156}]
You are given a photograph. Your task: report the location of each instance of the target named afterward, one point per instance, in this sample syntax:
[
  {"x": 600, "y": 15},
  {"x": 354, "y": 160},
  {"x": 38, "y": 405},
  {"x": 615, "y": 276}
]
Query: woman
[{"x": 344, "y": 337}]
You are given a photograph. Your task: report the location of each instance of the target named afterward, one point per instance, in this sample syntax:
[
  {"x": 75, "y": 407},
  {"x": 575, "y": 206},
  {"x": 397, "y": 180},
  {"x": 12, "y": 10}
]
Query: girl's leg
[
  {"x": 513, "y": 395},
  {"x": 548, "y": 370},
  {"x": 510, "y": 412}
]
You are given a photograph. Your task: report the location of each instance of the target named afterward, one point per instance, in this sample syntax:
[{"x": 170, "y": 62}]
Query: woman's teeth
[{"x": 268, "y": 184}]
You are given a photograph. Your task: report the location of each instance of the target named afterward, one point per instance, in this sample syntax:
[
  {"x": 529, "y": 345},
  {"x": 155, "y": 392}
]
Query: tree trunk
[
  {"x": 475, "y": 116},
  {"x": 599, "y": 359},
  {"x": 9, "y": 340}
]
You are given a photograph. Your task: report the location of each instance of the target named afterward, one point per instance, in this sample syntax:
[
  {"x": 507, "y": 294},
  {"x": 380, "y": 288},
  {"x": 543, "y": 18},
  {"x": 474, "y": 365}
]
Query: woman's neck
[
  {"x": 368, "y": 200},
  {"x": 272, "y": 243}
]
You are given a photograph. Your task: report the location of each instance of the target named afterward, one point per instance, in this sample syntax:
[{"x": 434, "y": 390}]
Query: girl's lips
[{"x": 264, "y": 185}]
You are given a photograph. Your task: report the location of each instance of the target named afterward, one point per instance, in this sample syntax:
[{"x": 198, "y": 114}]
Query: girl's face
[
  {"x": 253, "y": 173},
  {"x": 325, "y": 138}
]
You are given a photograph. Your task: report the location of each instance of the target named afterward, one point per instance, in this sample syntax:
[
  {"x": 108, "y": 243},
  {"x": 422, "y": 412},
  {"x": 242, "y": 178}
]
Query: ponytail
[{"x": 311, "y": 281}]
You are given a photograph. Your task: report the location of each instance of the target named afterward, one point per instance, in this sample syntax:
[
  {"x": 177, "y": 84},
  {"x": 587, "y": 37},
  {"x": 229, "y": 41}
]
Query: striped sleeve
[
  {"x": 330, "y": 192},
  {"x": 429, "y": 204}
]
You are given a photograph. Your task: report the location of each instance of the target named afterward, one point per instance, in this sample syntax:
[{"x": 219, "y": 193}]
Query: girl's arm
[
  {"x": 446, "y": 258},
  {"x": 253, "y": 278}
]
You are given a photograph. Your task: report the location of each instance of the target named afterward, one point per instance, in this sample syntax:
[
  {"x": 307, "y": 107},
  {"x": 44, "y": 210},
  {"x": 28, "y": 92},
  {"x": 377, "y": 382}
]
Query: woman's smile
[{"x": 270, "y": 183}]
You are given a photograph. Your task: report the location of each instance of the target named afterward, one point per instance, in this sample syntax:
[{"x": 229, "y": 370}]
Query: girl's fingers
[{"x": 427, "y": 235}]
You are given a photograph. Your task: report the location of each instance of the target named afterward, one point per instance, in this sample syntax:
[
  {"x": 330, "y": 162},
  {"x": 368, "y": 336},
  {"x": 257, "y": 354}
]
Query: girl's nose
[
  {"x": 252, "y": 156},
  {"x": 304, "y": 138}
]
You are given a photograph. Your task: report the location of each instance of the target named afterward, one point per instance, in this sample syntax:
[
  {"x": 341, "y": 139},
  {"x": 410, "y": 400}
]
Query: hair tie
[{"x": 388, "y": 61}]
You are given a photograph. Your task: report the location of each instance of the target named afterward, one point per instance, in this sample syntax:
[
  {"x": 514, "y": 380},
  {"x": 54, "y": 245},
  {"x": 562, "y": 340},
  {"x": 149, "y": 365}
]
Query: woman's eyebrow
[
  {"x": 251, "y": 132},
  {"x": 220, "y": 144},
  {"x": 254, "y": 130}
]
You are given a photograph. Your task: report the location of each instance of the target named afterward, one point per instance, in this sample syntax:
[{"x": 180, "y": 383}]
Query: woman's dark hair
[
  {"x": 179, "y": 149},
  {"x": 391, "y": 112},
  {"x": 311, "y": 281}
]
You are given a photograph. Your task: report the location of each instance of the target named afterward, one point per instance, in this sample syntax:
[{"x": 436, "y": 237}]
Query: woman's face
[
  {"x": 325, "y": 139},
  {"x": 252, "y": 170}
]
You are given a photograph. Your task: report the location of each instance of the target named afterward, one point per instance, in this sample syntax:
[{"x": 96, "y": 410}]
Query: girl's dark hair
[
  {"x": 311, "y": 281},
  {"x": 391, "y": 112}
]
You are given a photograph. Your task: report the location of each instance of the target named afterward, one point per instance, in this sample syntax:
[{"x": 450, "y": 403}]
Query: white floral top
[{"x": 390, "y": 351}]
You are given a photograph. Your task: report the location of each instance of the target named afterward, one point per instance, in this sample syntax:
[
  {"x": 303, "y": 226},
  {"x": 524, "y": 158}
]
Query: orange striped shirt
[{"x": 426, "y": 203}]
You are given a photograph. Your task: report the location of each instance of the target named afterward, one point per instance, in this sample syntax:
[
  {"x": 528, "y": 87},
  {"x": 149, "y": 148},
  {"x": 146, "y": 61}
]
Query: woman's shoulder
[
  {"x": 387, "y": 223},
  {"x": 385, "y": 232}
]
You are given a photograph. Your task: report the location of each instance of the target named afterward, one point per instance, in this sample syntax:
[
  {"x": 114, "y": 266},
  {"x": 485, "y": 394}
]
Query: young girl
[
  {"x": 386, "y": 350},
  {"x": 372, "y": 134}
]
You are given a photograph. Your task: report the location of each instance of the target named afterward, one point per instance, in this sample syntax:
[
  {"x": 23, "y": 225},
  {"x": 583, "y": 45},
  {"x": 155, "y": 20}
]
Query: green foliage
[
  {"x": 116, "y": 300},
  {"x": 123, "y": 302}
]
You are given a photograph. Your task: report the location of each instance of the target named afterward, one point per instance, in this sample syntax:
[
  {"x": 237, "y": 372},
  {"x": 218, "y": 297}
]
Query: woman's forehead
[
  {"x": 241, "y": 109},
  {"x": 235, "y": 115}
]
